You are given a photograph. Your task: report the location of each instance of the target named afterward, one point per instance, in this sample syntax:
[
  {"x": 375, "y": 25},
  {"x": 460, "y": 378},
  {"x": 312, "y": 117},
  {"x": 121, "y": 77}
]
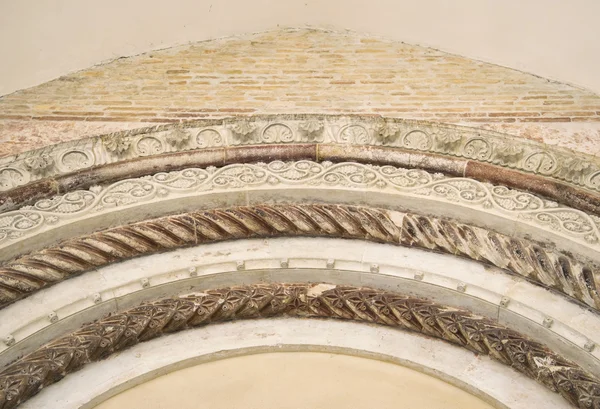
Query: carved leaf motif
[
  {"x": 418, "y": 140},
  {"x": 354, "y": 134},
  {"x": 446, "y": 140},
  {"x": 277, "y": 133},
  {"x": 312, "y": 128},
  {"x": 10, "y": 178},
  {"x": 575, "y": 170},
  {"x": 149, "y": 146},
  {"x": 39, "y": 164},
  {"x": 117, "y": 144},
  {"x": 508, "y": 154},
  {"x": 244, "y": 129},
  {"x": 540, "y": 162},
  {"x": 477, "y": 148},
  {"x": 74, "y": 160},
  {"x": 387, "y": 132},
  {"x": 208, "y": 138}
]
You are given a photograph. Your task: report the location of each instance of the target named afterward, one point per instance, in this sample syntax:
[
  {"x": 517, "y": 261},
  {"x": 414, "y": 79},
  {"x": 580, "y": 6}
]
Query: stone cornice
[
  {"x": 98, "y": 340},
  {"x": 461, "y": 145},
  {"x": 549, "y": 268}
]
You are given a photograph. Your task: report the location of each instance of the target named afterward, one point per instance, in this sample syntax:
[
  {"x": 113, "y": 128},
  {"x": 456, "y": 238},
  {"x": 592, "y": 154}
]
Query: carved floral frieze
[
  {"x": 518, "y": 205},
  {"x": 475, "y": 144}
]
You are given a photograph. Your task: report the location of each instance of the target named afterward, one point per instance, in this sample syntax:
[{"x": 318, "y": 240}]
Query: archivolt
[
  {"x": 544, "y": 266},
  {"x": 557, "y": 173},
  {"x": 52, "y": 362}
]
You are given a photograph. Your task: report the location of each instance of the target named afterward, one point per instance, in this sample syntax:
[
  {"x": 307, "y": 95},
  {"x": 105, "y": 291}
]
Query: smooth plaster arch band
[
  {"x": 287, "y": 372},
  {"x": 454, "y": 365},
  {"x": 96, "y": 341}
]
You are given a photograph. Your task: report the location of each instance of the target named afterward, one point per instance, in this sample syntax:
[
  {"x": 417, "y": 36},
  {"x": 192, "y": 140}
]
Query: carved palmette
[{"x": 92, "y": 342}]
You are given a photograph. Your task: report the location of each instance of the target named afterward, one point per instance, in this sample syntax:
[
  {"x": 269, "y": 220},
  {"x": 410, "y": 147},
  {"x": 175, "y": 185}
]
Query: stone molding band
[
  {"x": 27, "y": 376},
  {"x": 557, "y": 173},
  {"x": 550, "y": 268},
  {"x": 51, "y": 220}
]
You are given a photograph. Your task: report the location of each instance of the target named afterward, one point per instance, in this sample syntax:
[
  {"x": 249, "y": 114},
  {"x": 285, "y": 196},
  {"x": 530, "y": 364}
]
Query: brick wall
[{"x": 295, "y": 71}]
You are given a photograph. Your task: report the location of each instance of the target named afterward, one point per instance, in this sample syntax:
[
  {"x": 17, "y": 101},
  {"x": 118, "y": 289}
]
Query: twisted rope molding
[
  {"x": 96, "y": 341},
  {"x": 471, "y": 144},
  {"x": 549, "y": 268},
  {"x": 525, "y": 207}
]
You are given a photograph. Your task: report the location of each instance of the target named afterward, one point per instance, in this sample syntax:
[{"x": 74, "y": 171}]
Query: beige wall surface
[
  {"x": 40, "y": 41},
  {"x": 294, "y": 380}
]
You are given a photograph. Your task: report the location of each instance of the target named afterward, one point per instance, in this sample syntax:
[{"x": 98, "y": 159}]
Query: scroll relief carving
[
  {"x": 528, "y": 208},
  {"x": 480, "y": 145},
  {"x": 574, "y": 278},
  {"x": 92, "y": 342}
]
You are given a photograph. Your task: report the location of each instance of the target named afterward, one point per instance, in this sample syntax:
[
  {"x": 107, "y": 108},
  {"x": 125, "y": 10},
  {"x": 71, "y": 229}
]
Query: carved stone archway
[
  {"x": 27, "y": 376},
  {"x": 518, "y": 222}
]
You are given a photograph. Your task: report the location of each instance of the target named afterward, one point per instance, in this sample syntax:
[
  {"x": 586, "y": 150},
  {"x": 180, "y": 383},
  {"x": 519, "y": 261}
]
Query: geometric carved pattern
[
  {"x": 98, "y": 340},
  {"x": 455, "y": 141},
  {"x": 547, "y": 267},
  {"x": 523, "y": 206}
]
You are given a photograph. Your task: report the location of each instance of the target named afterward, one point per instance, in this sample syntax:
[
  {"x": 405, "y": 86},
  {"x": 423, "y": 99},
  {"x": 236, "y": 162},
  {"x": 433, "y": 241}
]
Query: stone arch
[
  {"x": 96, "y": 341},
  {"x": 95, "y": 225}
]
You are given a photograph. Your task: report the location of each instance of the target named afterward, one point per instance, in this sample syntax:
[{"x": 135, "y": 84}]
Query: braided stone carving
[
  {"x": 550, "y": 268},
  {"x": 49, "y": 364},
  {"x": 74, "y": 256}
]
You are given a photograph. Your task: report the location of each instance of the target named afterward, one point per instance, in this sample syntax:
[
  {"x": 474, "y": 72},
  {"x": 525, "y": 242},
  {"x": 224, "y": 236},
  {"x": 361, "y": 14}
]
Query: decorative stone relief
[
  {"x": 177, "y": 137},
  {"x": 475, "y": 144},
  {"x": 73, "y": 160},
  {"x": 522, "y": 206},
  {"x": 387, "y": 132},
  {"x": 547, "y": 267},
  {"x": 39, "y": 164},
  {"x": 312, "y": 127},
  {"x": 11, "y": 178},
  {"x": 109, "y": 335},
  {"x": 209, "y": 138},
  {"x": 149, "y": 145},
  {"x": 116, "y": 143},
  {"x": 277, "y": 133},
  {"x": 243, "y": 129},
  {"x": 355, "y": 134}
]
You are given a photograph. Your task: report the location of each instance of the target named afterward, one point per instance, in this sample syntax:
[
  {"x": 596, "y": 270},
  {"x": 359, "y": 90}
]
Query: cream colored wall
[
  {"x": 40, "y": 41},
  {"x": 293, "y": 380}
]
